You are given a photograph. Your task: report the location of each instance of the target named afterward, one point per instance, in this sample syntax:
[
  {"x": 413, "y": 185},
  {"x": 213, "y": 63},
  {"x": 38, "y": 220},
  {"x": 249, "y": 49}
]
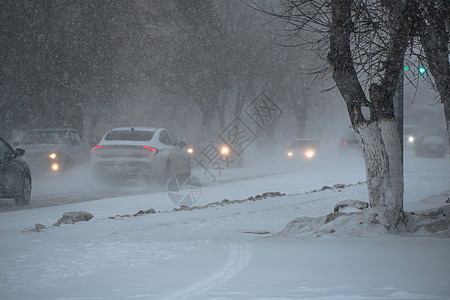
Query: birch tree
[{"x": 363, "y": 43}]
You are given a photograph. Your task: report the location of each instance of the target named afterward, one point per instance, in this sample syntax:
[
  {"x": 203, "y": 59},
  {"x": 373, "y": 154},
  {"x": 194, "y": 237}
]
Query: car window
[
  {"x": 45, "y": 137},
  {"x": 129, "y": 135},
  {"x": 349, "y": 134},
  {"x": 303, "y": 144},
  {"x": 75, "y": 138},
  {"x": 166, "y": 137},
  {"x": 172, "y": 139},
  {"x": 163, "y": 138},
  {"x": 433, "y": 140},
  {"x": 5, "y": 149}
]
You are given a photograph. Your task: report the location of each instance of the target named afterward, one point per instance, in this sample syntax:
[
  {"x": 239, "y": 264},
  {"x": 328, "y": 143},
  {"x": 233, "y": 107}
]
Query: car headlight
[
  {"x": 52, "y": 155},
  {"x": 411, "y": 139},
  {"x": 290, "y": 154},
  {"x": 224, "y": 150},
  {"x": 310, "y": 153}
]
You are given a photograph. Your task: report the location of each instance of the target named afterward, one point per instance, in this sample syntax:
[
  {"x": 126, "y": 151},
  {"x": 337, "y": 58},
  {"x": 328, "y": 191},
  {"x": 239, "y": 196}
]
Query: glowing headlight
[
  {"x": 309, "y": 153},
  {"x": 411, "y": 139},
  {"x": 190, "y": 150},
  {"x": 52, "y": 156},
  {"x": 55, "y": 167},
  {"x": 290, "y": 154},
  {"x": 224, "y": 150}
]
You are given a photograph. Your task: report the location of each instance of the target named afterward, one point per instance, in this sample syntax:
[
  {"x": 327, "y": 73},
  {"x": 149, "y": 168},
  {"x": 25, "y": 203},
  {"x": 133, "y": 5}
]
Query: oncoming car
[
  {"x": 51, "y": 151},
  {"x": 15, "y": 175},
  {"x": 131, "y": 153},
  {"x": 431, "y": 145},
  {"x": 203, "y": 154},
  {"x": 302, "y": 149}
]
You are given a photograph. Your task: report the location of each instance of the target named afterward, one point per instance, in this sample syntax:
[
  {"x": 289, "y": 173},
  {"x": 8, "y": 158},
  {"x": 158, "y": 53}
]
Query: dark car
[
  {"x": 303, "y": 149},
  {"x": 348, "y": 140},
  {"x": 15, "y": 176},
  {"x": 431, "y": 145},
  {"x": 54, "y": 150}
]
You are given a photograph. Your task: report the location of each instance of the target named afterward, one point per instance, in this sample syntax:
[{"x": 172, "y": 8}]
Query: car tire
[{"x": 25, "y": 191}]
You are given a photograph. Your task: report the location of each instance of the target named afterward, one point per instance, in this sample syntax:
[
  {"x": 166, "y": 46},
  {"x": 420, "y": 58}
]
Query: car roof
[{"x": 136, "y": 128}]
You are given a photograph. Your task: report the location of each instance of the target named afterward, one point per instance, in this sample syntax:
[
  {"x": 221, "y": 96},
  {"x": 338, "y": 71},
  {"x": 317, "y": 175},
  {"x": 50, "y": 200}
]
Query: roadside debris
[{"x": 73, "y": 217}]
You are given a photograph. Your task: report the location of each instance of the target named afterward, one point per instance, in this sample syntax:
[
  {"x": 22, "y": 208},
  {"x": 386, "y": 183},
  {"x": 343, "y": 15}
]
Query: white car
[{"x": 130, "y": 153}]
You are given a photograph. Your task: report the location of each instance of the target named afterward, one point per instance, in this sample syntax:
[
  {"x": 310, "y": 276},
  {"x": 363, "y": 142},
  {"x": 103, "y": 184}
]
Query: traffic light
[{"x": 421, "y": 69}]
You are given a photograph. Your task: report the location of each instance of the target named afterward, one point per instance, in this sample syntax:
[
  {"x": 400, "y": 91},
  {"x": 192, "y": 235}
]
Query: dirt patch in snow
[
  {"x": 226, "y": 201},
  {"x": 139, "y": 213}
]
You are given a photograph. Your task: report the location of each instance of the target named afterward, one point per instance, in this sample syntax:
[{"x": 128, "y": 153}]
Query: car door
[
  {"x": 176, "y": 154},
  {"x": 181, "y": 155},
  {"x": 10, "y": 170}
]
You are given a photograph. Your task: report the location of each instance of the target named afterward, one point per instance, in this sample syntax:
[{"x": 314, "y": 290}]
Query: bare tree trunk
[
  {"x": 379, "y": 136},
  {"x": 221, "y": 110},
  {"x": 380, "y": 143},
  {"x": 239, "y": 105}
]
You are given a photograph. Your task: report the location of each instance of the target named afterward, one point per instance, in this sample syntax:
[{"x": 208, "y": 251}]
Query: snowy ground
[{"x": 224, "y": 251}]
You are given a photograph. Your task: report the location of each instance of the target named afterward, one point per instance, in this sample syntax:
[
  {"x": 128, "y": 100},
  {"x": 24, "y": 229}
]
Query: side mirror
[
  {"x": 19, "y": 152},
  {"x": 182, "y": 144}
]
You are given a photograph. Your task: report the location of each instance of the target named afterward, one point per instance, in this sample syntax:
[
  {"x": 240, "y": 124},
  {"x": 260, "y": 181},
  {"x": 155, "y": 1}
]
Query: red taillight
[
  {"x": 344, "y": 143},
  {"x": 151, "y": 148},
  {"x": 96, "y": 147}
]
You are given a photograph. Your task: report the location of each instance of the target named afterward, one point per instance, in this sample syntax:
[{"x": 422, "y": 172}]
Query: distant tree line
[{"x": 83, "y": 63}]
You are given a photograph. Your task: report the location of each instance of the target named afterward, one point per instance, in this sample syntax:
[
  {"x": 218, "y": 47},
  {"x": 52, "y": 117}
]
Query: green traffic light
[
  {"x": 422, "y": 70},
  {"x": 406, "y": 68}
]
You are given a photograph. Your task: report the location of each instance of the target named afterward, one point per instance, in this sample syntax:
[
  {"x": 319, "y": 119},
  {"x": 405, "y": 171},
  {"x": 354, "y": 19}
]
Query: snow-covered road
[{"x": 227, "y": 251}]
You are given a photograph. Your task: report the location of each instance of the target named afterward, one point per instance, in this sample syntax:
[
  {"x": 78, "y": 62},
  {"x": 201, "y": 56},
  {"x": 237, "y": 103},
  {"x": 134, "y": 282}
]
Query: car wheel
[{"x": 25, "y": 192}]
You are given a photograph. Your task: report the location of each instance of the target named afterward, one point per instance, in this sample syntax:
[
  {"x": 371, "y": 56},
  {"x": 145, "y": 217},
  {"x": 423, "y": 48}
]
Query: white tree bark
[{"x": 380, "y": 143}]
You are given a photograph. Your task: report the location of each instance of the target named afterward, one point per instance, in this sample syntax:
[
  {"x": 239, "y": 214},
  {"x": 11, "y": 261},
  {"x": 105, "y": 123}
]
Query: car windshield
[
  {"x": 349, "y": 134},
  {"x": 432, "y": 140},
  {"x": 408, "y": 130},
  {"x": 4, "y": 149},
  {"x": 129, "y": 135},
  {"x": 45, "y": 137},
  {"x": 303, "y": 144}
]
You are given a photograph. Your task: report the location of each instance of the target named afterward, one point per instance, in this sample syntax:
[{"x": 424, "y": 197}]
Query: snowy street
[
  {"x": 231, "y": 250},
  {"x": 219, "y": 149}
]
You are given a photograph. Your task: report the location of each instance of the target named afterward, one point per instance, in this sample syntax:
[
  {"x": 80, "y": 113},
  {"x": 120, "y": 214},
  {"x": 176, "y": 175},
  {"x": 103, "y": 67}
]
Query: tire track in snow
[{"x": 239, "y": 256}]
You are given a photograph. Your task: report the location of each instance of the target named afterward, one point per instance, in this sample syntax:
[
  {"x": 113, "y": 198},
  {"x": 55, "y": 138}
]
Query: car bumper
[
  {"x": 45, "y": 166},
  {"x": 127, "y": 169}
]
